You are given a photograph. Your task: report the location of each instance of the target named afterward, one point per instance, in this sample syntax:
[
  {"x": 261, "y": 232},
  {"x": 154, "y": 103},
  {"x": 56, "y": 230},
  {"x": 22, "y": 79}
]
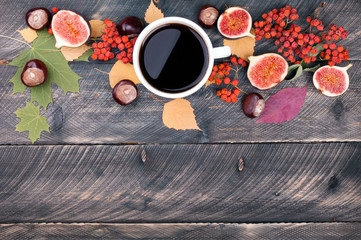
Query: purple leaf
[{"x": 283, "y": 106}]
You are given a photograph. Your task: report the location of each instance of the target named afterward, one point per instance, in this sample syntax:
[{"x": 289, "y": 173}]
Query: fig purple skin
[
  {"x": 34, "y": 73},
  {"x": 125, "y": 92},
  {"x": 38, "y": 18},
  {"x": 253, "y": 105},
  {"x": 130, "y": 26},
  {"x": 207, "y": 16}
]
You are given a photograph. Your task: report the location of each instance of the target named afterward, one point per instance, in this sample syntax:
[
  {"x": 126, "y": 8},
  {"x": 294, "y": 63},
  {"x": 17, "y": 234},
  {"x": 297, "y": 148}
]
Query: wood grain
[
  {"x": 92, "y": 117},
  {"x": 181, "y": 183},
  {"x": 285, "y": 231}
]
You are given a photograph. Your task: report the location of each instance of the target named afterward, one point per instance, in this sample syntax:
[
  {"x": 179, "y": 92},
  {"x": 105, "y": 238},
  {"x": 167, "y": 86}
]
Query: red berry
[
  {"x": 320, "y": 27},
  {"x": 95, "y": 45},
  {"x": 121, "y": 46},
  {"x": 226, "y": 80},
  {"x": 235, "y": 82},
  {"x": 332, "y": 45},
  {"x": 218, "y": 81},
  {"x": 100, "y": 45},
  {"x": 50, "y": 31},
  {"x": 314, "y": 50},
  {"x": 101, "y": 56},
  {"x": 236, "y": 91},
  {"x": 125, "y": 39},
  {"x": 331, "y": 64},
  {"x": 94, "y": 56},
  {"x": 55, "y": 10},
  {"x": 224, "y": 97},
  {"x": 308, "y": 19},
  {"x": 340, "y": 48},
  {"x": 125, "y": 60},
  {"x": 128, "y": 45}
]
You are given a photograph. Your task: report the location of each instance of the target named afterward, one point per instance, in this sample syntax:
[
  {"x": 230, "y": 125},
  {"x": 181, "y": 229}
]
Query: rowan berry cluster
[
  {"x": 220, "y": 74},
  {"x": 112, "y": 40},
  {"x": 294, "y": 44}
]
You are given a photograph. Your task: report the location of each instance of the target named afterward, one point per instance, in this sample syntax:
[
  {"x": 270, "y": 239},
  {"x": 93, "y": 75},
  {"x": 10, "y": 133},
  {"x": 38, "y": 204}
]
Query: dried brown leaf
[
  {"x": 97, "y": 27},
  {"x": 208, "y": 83},
  {"x": 28, "y": 34},
  {"x": 3, "y": 62},
  {"x": 178, "y": 114},
  {"x": 72, "y": 53},
  {"x": 243, "y": 47},
  {"x": 122, "y": 71},
  {"x": 153, "y": 13}
]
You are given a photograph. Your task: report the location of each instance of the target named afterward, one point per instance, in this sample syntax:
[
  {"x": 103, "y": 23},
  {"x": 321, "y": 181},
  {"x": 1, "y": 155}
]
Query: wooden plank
[
  {"x": 181, "y": 183},
  {"x": 319, "y": 231},
  {"x": 93, "y": 117}
]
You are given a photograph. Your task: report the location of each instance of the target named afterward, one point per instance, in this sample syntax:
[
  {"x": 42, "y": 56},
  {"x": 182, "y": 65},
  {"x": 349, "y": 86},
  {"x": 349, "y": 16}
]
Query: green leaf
[
  {"x": 292, "y": 68},
  {"x": 85, "y": 56},
  {"x": 31, "y": 121},
  {"x": 312, "y": 69},
  {"x": 59, "y": 72},
  {"x": 298, "y": 73},
  {"x": 319, "y": 49}
]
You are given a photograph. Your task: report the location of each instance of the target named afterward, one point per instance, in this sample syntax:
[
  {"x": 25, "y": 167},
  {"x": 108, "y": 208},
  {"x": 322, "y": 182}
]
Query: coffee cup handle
[{"x": 222, "y": 52}]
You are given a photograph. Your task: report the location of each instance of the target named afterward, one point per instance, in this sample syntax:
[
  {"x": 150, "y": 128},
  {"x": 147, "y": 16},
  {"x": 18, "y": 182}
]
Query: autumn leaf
[
  {"x": 59, "y": 72},
  {"x": 97, "y": 28},
  {"x": 31, "y": 121},
  {"x": 208, "y": 83},
  {"x": 243, "y": 47},
  {"x": 73, "y": 53},
  {"x": 284, "y": 105},
  {"x": 28, "y": 34},
  {"x": 178, "y": 114},
  {"x": 122, "y": 71},
  {"x": 153, "y": 13}
]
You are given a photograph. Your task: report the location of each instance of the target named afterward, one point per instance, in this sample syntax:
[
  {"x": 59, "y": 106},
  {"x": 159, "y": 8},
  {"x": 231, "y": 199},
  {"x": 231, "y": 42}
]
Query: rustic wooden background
[{"x": 86, "y": 178}]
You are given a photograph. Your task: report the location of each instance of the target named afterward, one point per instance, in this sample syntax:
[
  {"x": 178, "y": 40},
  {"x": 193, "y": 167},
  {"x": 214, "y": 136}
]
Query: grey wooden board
[
  {"x": 93, "y": 117},
  {"x": 284, "y": 231},
  {"x": 181, "y": 183}
]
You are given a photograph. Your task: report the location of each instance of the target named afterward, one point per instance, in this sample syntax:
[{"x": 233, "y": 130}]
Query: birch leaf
[
  {"x": 243, "y": 47},
  {"x": 28, "y": 34},
  {"x": 153, "y": 13},
  {"x": 73, "y": 53},
  {"x": 97, "y": 27},
  {"x": 122, "y": 71},
  {"x": 178, "y": 114}
]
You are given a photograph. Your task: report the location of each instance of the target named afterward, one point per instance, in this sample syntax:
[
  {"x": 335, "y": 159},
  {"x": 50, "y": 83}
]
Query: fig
[
  {"x": 332, "y": 81},
  {"x": 253, "y": 105},
  {"x": 69, "y": 29},
  {"x": 125, "y": 92},
  {"x": 235, "y": 23},
  {"x": 38, "y": 18},
  {"x": 34, "y": 73},
  {"x": 207, "y": 16},
  {"x": 267, "y": 70},
  {"x": 130, "y": 26}
]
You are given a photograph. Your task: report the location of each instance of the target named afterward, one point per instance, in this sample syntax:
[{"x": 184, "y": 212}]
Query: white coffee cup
[{"x": 213, "y": 53}]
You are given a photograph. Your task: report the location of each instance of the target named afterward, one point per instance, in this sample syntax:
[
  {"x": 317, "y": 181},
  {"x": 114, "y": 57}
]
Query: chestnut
[
  {"x": 207, "y": 16},
  {"x": 253, "y": 105},
  {"x": 34, "y": 73},
  {"x": 38, "y": 18},
  {"x": 125, "y": 92},
  {"x": 130, "y": 26}
]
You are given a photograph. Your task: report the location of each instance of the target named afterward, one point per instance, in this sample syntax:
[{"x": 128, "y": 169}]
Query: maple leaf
[
  {"x": 178, "y": 114},
  {"x": 31, "y": 121},
  {"x": 59, "y": 72},
  {"x": 284, "y": 105}
]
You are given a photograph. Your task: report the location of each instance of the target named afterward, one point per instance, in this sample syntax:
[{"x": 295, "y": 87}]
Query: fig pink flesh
[
  {"x": 268, "y": 71},
  {"x": 331, "y": 79},
  {"x": 67, "y": 27},
  {"x": 235, "y": 23}
]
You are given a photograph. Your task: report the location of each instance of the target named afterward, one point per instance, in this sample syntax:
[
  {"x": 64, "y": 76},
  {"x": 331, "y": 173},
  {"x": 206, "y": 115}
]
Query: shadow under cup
[{"x": 173, "y": 58}]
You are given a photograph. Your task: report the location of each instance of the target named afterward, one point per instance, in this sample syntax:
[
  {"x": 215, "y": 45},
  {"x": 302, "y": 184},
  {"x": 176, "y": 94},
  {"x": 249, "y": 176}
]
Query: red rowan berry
[
  {"x": 314, "y": 50},
  {"x": 95, "y": 45},
  {"x": 244, "y": 64},
  {"x": 50, "y": 31},
  {"x": 100, "y": 45},
  {"x": 286, "y": 44},
  {"x": 125, "y": 39},
  {"x": 54, "y": 10},
  {"x": 215, "y": 68},
  {"x": 224, "y": 97},
  {"x": 294, "y": 45},
  {"x": 308, "y": 19},
  {"x": 277, "y": 42},
  {"x": 317, "y": 39},
  {"x": 322, "y": 54},
  {"x": 219, "y": 93},
  {"x": 313, "y": 58},
  {"x": 340, "y": 48},
  {"x": 346, "y": 57},
  {"x": 234, "y": 82},
  {"x": 97, "y": 51},
  {"x": 236, "y": 91},
  {"x": 121, "y": 46},
  {"x": 105, "y": 38},
  {"x": 114, "y": 45},
  {"x": 233, "y": 100},
  {"x": 101, "y": 56},
  {"x": 331, "y": 64},
  {"x": 94, "y": 56},
  {"x": 128, "y": 45},
  {"x": 340, "y": 55},
  {"x": 125, "y": 60},
  {"x": 327, "y": 56},
  {"x": 282, "y": 24},
  {"x": 332, "y": 45},
  {"x": 226, "y": 80},
  {"x": 218, "y": 81},
  {"x": 228, "y": 100},
  {"x": 334, "y": 53},
  {"x": 305, "y": 51},
  {"x": 320, "y": 27},
  {"x": 264, "y": 15}
]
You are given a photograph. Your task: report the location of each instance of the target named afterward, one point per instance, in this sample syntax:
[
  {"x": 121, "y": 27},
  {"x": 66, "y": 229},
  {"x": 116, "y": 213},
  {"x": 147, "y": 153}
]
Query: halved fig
[
  {"x": 332, "y": 81},
  {"x": 267, "y": 70},
  {"x": 235, "y": 23},
  {"x": 38, "y": 18},
  {"x": 69, "y": 29}
]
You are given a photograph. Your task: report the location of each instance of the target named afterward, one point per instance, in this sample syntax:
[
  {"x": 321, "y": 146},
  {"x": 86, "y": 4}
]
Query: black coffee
[{"x": 173, "y": 58}]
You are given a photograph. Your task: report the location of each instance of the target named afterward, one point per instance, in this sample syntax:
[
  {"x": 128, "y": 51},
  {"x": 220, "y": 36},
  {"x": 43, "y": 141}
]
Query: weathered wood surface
[
  {"x": 93, "y": 117},
  {"x": 283, "y": 231},
  {"x": 181, "y": 183}
]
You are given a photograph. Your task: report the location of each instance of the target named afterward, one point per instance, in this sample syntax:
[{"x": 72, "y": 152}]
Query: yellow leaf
[
  {"x": 97, "y": 28},
  {"x": 208, "y": 83},
  {"x": 178, "y": 114},
  {"x": 122, "y": 71},
  {"x": 153, "y": 13},
  {"x": 243, "y": 47},
  {"x": 71, "y": 53},
  {"x": 28, "y": 34}
]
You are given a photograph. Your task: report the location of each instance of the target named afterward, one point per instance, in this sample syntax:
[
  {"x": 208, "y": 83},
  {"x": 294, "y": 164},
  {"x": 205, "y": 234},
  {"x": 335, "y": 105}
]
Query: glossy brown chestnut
[
  {"x": 207, "y": 16},
  {"x": 34, "y": 73},
  {"x": 38, "y": 18},
  {"x": 130, "y": 26},
  {"x": 125, "y": 92},
  {"x": 253, "y": 105}
]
